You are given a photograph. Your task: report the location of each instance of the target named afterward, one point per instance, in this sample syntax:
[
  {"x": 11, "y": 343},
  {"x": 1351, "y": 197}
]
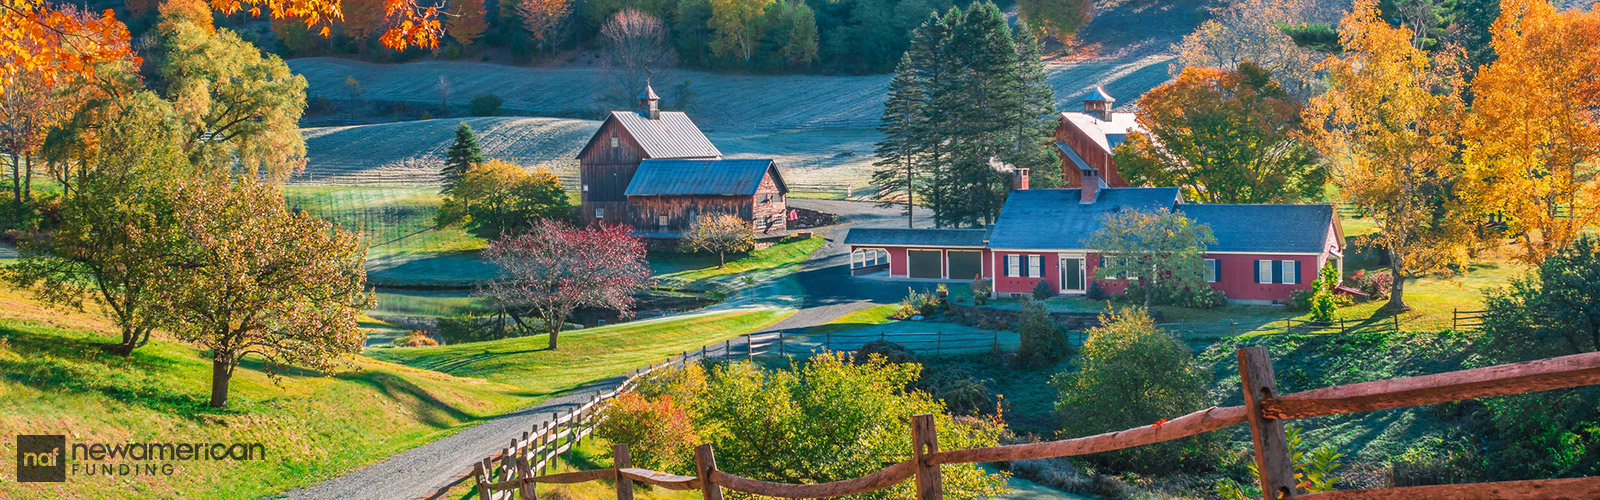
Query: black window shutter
[
  {"x": 1216, "y": 270},
  {"x": 1297, "y": 278},
  {"x": 1277, "y": 271}
]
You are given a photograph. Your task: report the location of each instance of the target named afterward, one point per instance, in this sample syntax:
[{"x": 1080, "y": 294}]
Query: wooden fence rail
[{"x": 1265, "y": 411}]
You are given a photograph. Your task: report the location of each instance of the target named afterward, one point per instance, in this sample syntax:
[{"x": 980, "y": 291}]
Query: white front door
[{"x": 1072, "y": 277}]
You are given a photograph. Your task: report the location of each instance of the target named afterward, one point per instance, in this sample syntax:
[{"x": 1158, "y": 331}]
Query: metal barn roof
[
  {"x": 702, "y": 177},
  {"x": 672, "y": 136}
]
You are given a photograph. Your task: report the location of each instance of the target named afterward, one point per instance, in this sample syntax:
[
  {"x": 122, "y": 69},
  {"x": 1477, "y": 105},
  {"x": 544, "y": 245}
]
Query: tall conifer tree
[
  {"x": 897, "y": 152},
  {"x": 980, "y": 97},
  {"x": 933, "y": 69},
  {"x": 462, "y": 155},
  {"x": 1033, "y": 114}
]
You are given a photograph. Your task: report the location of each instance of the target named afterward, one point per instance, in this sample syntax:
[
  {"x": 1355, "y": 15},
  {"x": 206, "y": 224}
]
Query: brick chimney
[
  {"x": 649, "y": 103},
  {"x": 1019, "y": 179},
  {"x": 1090, "y": 190}
]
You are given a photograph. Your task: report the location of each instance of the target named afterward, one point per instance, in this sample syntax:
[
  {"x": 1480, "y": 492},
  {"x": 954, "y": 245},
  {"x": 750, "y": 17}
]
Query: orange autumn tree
[
  {"x": 68, "y": 49},
  {"x": 1388, "y": 127},
  {"x": 465, "y": 23},
  {"x": 543, "y": 20},
  {"x": 1534, "y": 141}
]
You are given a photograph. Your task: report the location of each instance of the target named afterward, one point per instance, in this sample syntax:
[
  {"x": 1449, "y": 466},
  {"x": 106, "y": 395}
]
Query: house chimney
[
  {"x": 649, "y": 103},
  {"x": 1099, "y": 103},
  {"x": 1090, "y": 190},
  {"x": 1019, "y": 179}
]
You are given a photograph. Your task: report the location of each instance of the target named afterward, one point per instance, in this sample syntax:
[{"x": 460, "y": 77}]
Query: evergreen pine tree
[
  {"x": 895, "y": 173},
  {"x": 462, "y": 155},
  {"x": 980, "y": 96},
  {"x": 931, "y": 132},
  {"x": 1034, "y": 113}
]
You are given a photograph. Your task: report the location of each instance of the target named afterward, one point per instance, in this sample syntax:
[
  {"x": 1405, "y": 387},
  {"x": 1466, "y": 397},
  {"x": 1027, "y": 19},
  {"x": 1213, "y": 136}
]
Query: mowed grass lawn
[
  {"x": 700, "y": 271},
  {"x": 55, "y": 380},
  {"x": 584, "y": 356}
]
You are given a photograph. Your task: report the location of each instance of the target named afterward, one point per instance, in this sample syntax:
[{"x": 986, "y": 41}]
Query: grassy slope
[
  {"x": 585, "y": 355},
  {"x": 701, "y": 272},
  {"x": 53, "y": 380}
]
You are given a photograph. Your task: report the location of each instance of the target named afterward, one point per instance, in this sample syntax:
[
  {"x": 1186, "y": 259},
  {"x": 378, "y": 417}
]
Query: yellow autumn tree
[
  {"x": 1388, "y": 127},
  {"x": 1533, "y": 145},
  {"x": 737, "y": 24}
]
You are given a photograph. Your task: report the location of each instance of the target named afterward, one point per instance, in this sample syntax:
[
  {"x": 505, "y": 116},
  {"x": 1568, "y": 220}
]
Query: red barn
[
  {"x": 1084, "y": 140},
  {"x": 656, "y": 171}
]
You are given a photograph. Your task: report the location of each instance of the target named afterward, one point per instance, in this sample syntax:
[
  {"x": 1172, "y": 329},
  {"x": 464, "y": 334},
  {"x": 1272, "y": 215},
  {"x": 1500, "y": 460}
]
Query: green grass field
[
  {"x": 699, "y": 271},
  {"x": 53, "y": 380},
  {"x": 585, "y": 355}
]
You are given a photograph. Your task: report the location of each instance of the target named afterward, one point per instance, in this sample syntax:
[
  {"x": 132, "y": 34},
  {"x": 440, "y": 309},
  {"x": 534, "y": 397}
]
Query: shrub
[
  {"x": 417, "y": 338},
  {"x": 1042, "y": 290},
  {"x": 1131, "y": 374},
  {"x": 1314, "y": 470},
  {"x": 980, "y": 292},
  {"x": 1201, "y": 298},
  {"x": 889, "y": 351},
  {"x": 683, "y": 385},
  {"x": 1375, "y": 285},
  {"x": 1322, "y": 303},
  {"x": 1096, "y": 292},
  {"x": 831, "y": 419},
  {"x": 485, "y": 105},
  {"x": 1300, "y": 300},
  {"x": 1437, "y": 462},
  {"x": 962, "y": 393},
  {"x": 658, "y": 433},
  {"x": 1042, "y": 341},
  {"x": 916, "y": 304}
]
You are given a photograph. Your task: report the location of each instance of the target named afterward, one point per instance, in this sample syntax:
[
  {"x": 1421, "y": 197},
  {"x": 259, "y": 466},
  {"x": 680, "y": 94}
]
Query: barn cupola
[
  {"x": 649, "y": 103},
  {"x": 1099, "y": 103}
]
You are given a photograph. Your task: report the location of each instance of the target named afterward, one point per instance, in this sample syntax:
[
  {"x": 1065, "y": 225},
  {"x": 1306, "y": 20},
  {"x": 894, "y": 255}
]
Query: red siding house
[{"x": 1262, "y": 254}]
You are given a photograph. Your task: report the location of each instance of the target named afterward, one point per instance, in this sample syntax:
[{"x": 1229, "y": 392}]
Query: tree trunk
[
  {"x": 722, "y": 260},
  {"x": 1149, "y": 292},
  {"x": 27, "y": 180},
  {"x": 555, "y": 330},
  {"x": 1397, "y": 301},
  {"x": 221, "y": 373},
  {"x": 16, "y": 186}
]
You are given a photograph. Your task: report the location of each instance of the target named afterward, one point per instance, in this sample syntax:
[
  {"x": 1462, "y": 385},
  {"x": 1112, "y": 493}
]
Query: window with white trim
[
  {"x": 1035, "y": 266},
  {"x": 1213, "y": 271},
  {"x": 1013, "y": 263},
  {"x": 661, "y": 222},
  {"x": 1290, "y": 272},
  {"x": 615, "y": 142},
  {"x": 599, "y": 213},
  {"x": 1263, "y": 271}
]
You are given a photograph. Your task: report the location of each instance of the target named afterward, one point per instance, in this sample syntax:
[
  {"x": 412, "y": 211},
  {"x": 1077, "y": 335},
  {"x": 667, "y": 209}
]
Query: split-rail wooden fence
[{"x": 1264, "y": 410}]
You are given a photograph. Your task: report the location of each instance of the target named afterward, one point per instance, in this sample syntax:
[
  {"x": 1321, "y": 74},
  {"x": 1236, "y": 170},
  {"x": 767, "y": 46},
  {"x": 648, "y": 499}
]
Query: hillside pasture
[{"x": 720, "y": 102}]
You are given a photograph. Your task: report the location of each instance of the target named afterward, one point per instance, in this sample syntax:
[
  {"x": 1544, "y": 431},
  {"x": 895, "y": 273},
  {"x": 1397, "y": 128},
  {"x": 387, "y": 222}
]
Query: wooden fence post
[
  {"x": 749, "y": 349},
  {"x": 704, "y": 463},
  {"x": 483, "y": 480},
  {"x": 528, "y": 489},
  {"x": 621, "y": 460},
  {"x": 727, "y": 349},
  {"x": 780, "y": 343},
  {"x": 924, "y": 442},
  {"x": 1271, "y": 443},
  {"x": 1396, "y": 321}
]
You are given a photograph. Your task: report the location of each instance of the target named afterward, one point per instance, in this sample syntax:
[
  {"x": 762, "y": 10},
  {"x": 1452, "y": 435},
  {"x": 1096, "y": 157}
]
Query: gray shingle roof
[
  {"x": 900, "y": 236},
  {"x": 1056, "y": 219},
  {"x": 1264, "y": 228},
  {"x": 673, "y": 136},
  {"x": 701, "y": 177}
]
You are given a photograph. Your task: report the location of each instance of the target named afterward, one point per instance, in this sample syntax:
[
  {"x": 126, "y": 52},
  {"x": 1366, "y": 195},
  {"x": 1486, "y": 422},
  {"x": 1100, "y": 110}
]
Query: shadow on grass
[
  {"x": 77, "y": 363},
  {"x": 428, "y": 408}
]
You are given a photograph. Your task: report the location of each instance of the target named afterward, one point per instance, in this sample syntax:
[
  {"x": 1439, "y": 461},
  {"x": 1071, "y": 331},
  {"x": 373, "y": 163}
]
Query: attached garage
[
  {"x": 925, "y": 263},
  {"x": 964, "y": 264}
]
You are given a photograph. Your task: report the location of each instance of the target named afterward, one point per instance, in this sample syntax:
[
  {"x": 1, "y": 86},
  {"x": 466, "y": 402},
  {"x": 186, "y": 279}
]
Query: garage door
[
  {"x": 925, "y": 263},
  {"x": 965, "y": 265}
]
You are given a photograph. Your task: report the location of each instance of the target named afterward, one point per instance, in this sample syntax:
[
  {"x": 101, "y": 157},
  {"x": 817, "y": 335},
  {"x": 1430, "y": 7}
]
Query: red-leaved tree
[{"x": 553, "y": 269}]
